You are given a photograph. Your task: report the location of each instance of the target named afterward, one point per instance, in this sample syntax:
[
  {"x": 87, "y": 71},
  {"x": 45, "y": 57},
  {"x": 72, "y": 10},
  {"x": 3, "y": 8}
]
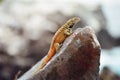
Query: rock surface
[{"x": 78, "y": 59}]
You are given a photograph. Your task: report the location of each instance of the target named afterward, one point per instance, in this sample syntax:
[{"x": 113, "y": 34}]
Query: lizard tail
[{"x": 46, "y": 60}]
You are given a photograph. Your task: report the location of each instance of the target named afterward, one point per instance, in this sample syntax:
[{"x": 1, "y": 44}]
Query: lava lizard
[{"x": 62, "y": 33}]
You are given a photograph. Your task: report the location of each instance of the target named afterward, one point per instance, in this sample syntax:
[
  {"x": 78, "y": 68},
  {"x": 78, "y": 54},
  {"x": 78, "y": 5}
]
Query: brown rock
[{"x": 78, "y": 59}]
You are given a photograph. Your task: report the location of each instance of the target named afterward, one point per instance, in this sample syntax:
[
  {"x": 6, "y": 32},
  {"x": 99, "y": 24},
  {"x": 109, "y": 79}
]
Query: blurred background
[{"x": 27, "y": 27}]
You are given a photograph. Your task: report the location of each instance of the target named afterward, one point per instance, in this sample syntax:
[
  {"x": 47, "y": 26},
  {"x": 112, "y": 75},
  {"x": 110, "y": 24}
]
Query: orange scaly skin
[{"x": 59, "y": 37}]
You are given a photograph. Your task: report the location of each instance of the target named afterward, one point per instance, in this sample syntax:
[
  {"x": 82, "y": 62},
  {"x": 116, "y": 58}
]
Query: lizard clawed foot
[
  {"x": 68, "y": 31},
  {"x": 57, "y": 46}
]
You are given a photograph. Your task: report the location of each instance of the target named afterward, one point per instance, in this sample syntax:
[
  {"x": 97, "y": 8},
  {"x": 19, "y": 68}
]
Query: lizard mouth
[{"x": 71, "y": 26}]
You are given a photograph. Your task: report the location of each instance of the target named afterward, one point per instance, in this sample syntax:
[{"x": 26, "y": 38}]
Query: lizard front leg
[{"x": 68, "y": 31}]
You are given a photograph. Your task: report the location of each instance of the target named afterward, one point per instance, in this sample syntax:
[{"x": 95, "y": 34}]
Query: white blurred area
[
  {"x": 111, "y": 10},
  {"x": 31, "y": 16},
  {"x": 111, "y": 58}
]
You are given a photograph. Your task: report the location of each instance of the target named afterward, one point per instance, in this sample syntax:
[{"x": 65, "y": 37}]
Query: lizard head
[
  {"x": 75, "y": 19},
  {"x": 72, "y": 21}
]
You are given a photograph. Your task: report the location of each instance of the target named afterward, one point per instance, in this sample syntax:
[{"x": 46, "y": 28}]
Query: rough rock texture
[{"x": 78, "y": 59}]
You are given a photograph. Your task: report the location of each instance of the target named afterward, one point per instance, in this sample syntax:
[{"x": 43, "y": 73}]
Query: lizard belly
[{"x": 60, "y": 39}]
